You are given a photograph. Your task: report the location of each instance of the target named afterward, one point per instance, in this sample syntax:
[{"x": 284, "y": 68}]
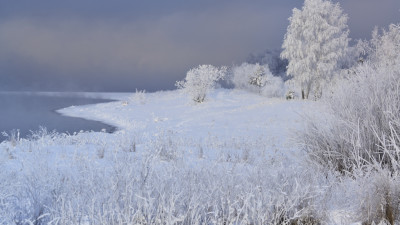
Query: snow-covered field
[{"x": 229, "y": 160}]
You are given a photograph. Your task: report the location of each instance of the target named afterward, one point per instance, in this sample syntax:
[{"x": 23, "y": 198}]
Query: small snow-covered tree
[
  {"x": 243, "y": 75},
  {"x": 257, "y": 78},
  {"x": 272, "y": 58},
  {"x": 316, "y": 40},
  {"x": 200, "y": 80}
]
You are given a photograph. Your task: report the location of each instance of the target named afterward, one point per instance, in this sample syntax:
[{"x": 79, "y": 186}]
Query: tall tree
[{"x": 315, "y": 42}]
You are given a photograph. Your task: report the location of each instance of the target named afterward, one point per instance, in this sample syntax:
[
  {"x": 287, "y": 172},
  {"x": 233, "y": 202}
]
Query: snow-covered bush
[
  {"x": 200, "y": 80},
  {"x": 242, "y": 76},
  {"x": 257, "y": 78},
  {"x": 359, "y": 134},
  {"x": 290, "y": 95},
  {"x": 275, "y": 63},
  {"x": 315, "y": 43},
  {"x": 364, "y": 107},
  {"x": 379, "y": 201},
  {"x": 13, "y": 137},
  {"x": 138, "y": 97},
  {"x": 273, "y": 87}
]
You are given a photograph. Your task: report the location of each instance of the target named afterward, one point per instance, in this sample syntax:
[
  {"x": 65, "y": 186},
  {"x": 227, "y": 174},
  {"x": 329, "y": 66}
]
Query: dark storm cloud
[{"x": 123, "y": 45}]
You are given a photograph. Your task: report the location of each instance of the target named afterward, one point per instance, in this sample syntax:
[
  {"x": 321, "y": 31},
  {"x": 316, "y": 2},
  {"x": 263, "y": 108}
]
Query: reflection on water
[{"x": 29, "y": 112}]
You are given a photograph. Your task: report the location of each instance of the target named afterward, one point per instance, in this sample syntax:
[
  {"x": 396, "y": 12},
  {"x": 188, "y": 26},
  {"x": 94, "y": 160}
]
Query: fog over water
[{"x": 28, "y": 112}]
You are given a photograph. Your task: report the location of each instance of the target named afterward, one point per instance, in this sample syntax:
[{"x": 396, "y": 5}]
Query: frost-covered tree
[
  {"x": 316, "y": 40},
  {"x": 272, "y": 58},
  {"x": 384, "y": 48},
  {"x": 245, "y": 76},
  {"x": 257, "y": 78},
  {"x": 200, "y": 80}
]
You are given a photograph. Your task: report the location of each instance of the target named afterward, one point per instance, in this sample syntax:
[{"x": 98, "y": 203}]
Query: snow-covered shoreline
[{"x": 230, "y": 112}]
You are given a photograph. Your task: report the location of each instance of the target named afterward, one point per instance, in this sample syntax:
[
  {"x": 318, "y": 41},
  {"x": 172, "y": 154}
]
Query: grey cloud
[
  {"x": 137, "y": 52},
  {"x": 122, "y": 45},
  {"x": 364, "y": 15}
]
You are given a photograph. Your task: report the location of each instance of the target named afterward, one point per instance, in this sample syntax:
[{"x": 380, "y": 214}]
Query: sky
[{"x": 123, "y": 45}]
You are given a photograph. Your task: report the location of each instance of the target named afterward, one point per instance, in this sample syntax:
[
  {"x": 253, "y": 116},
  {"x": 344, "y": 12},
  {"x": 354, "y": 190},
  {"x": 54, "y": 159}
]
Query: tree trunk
[
  {"x": 302, "y": 94},
  {"x": 307, "y": 93}
]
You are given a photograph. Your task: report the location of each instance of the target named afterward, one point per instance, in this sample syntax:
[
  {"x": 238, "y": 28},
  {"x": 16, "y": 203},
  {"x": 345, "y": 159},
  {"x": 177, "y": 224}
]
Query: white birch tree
[{"x": 316, "y": 40}]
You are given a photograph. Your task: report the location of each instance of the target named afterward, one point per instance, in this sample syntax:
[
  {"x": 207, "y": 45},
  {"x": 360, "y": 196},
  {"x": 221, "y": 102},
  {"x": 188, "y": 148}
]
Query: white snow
[
  {"x": 235, "y": 147},
  {"x": 227, "y": 113}
]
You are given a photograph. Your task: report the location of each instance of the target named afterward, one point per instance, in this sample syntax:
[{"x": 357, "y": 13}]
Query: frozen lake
[{"x": 27, "y": 112}]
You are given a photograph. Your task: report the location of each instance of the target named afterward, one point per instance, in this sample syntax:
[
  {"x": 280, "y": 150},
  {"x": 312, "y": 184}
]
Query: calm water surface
[{"x": 28, "y": 112}]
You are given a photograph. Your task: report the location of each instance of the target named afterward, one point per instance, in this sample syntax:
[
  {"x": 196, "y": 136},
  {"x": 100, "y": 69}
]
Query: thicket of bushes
[
  {"x": 256, "y": 78},
  {"x": 359, "y": 135}
]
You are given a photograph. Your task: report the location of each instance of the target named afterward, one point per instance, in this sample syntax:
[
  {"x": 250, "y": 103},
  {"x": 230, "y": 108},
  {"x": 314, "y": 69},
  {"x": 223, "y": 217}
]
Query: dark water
[{"x": 29, "y": 112}]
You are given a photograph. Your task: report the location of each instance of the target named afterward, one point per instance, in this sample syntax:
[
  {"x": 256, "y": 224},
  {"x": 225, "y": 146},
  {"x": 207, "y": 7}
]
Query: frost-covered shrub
[
  {"x": 243, "y": 74},
  {"x": 138, "y": 97},
  {"x": 257, "y": 78},
  {"x": 200, "y": 80},
  {"x": 273, "y": 87},
  {"x": 363, "y": 108},
  {"x": 165, "y": 145},
  {"x": 272, "y": 58},
  {"x": 359, "y": 134},
  {"x": 290, "y": 95},
  {"x": 379, "y": 201},
  {"x": 369, "y": 195},
  {"x": 13, "y": 138}
]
